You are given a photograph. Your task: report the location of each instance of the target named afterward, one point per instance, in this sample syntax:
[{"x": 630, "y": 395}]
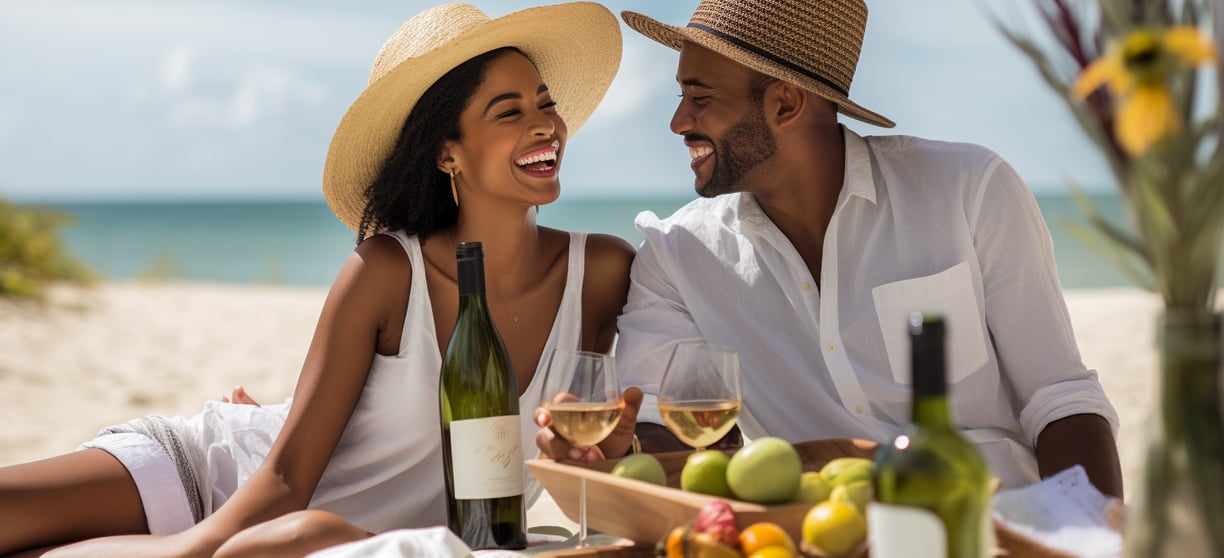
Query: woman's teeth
[{"x": 540, "y": 160}]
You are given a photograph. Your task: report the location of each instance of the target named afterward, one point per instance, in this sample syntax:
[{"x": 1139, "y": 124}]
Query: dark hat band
[{"x": 769, "y": 56}]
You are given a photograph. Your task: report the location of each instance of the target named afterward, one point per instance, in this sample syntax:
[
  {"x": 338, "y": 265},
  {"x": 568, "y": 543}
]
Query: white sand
[{"x": 90, "y": 358}]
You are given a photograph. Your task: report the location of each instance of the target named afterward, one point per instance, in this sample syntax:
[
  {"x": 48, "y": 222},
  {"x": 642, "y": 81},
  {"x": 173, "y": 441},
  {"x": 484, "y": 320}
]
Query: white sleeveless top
[{"x": 386, "y": 472}]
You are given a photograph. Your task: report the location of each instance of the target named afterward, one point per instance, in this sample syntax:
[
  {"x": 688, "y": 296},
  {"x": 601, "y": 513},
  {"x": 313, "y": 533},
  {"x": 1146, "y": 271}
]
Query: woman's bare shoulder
[
  {"x": 608, "y": 259},
  {"x": 606, "y": 253},
  {"x": 382, "y": 257}
]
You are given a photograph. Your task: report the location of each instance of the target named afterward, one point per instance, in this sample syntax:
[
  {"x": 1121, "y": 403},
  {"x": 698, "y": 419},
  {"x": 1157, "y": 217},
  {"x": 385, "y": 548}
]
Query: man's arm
[
  {"x": 656, "y": 438},
  {"x": 1081, "y": 440},
  {"x": 1058, "y": 400}
]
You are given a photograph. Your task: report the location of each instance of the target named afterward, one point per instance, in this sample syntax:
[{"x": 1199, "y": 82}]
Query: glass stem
[{"x": 582, "y": 520}]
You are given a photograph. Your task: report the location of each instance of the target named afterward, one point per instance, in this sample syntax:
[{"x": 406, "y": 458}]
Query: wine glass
[
  {"x": 699, "y": 396},
  {"x": 582, "y": 392}
]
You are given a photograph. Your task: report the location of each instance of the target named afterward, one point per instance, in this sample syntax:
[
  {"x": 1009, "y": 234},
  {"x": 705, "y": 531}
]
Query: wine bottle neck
[
  {"x": 930, "y": 383},
  {"x": 471, "y": 277},
  {"x": 931, "y": 412}
]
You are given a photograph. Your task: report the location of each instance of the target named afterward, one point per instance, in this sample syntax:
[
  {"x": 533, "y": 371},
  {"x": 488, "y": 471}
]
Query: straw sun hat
[
  {"x": 814, "y": 44},
  {"x": 575, "y": 46}
]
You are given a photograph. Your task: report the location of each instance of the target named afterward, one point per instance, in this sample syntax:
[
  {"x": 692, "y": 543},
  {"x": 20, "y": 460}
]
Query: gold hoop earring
[{"x": 454, "y": 191}]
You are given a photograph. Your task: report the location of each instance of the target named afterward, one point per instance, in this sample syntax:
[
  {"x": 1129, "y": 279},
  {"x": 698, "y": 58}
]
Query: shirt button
[
  {"x": 807, "y": 286},
  {"x": 832, "y": 347},
  {"x": 858, "y": 409}
]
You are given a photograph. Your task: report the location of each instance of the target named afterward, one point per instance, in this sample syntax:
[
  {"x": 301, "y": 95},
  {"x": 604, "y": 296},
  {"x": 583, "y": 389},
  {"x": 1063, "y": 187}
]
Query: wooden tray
[{"x": 645, "y": 512}]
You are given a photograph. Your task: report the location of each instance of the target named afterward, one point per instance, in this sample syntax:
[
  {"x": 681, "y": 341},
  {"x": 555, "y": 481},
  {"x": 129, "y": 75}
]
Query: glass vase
[{"x": 1179, "y": 510}]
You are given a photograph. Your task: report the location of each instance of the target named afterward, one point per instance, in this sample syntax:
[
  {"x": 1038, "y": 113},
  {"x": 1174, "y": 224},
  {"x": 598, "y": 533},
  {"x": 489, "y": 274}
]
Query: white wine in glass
[
  {"x": 585, "y": 423},
  {"x": 699, "y": 396},
  {"x": 582, "y": 393}
]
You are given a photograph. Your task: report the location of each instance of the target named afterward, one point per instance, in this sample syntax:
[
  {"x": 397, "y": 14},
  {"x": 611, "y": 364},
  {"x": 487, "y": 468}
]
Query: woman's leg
[
  {"x": 76, "y": 496},
  {"x": 295, "y": 534}
]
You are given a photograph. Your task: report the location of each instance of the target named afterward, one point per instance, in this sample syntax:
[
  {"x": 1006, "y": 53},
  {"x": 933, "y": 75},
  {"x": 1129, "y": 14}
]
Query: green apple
[{"x": 706, "y": 472}]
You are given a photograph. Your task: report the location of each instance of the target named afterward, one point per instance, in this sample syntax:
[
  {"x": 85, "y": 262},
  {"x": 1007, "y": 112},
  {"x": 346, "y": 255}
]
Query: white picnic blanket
[{"x": 1064, "y": 512}]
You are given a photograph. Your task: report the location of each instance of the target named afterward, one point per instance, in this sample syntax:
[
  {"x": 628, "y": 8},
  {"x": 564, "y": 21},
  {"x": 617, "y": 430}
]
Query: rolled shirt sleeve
[{"x": 1025, "y": 311}]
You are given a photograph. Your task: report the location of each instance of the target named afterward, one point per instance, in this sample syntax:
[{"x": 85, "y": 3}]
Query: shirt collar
[{"x": 859, "y": 180}]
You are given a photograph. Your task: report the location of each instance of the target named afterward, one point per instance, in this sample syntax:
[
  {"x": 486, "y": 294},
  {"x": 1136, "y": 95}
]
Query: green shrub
[{"x": 31, "y": 253}]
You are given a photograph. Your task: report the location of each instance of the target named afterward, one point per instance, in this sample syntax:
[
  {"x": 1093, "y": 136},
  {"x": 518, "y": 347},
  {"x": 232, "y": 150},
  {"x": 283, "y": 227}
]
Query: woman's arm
[
  {"x": 604, "y": 291},
  {"x": 333, "y": 375},
  {"x": 327, "y": 391},
  {"x": 605, "y": 287}
]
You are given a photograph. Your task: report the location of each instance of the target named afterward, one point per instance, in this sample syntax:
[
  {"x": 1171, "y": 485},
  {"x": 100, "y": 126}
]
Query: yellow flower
[{"x": 1137, "y": 71}]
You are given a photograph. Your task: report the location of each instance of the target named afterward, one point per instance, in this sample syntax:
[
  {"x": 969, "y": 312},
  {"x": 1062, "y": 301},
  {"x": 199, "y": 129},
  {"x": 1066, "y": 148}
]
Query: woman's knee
[{"x": 293, "y": 534}]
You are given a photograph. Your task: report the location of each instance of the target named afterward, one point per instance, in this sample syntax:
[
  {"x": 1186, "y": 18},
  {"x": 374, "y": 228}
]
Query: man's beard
[{"x": 743, "y": 148}]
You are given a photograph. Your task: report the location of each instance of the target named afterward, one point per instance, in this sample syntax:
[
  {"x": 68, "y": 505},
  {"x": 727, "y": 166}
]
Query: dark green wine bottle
[
  {"x": 932, "y": 486},
  {"x": 478, "y": 397}
]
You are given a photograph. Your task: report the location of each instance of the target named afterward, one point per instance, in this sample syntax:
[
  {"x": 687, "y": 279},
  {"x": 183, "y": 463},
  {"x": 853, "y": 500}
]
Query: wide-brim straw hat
[
  {"x": 814, "y": 44},
  {"x": 575, "y": 46}
]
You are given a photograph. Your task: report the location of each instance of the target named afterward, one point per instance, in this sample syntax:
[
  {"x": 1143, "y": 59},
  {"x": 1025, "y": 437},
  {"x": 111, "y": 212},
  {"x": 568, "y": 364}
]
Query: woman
[{"x": 458, "y": 137}]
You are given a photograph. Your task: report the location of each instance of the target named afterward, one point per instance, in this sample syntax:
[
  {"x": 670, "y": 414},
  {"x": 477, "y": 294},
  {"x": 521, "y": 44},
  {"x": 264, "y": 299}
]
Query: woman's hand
[
  {"x": 616, "y": 444},
  {"x": 238, "y": 396}
]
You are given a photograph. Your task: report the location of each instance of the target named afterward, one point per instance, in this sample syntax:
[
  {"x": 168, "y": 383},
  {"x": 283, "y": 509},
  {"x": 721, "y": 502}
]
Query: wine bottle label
[
  {"x": 905, "y": 531},
  {"x": 486, "y": 459}
]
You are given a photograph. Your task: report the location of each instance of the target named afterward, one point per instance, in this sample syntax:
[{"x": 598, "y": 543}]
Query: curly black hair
[{"x": 410, "y": 192}]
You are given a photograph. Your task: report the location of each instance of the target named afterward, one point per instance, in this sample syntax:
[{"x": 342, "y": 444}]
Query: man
[{"x": 811, "y": 244}]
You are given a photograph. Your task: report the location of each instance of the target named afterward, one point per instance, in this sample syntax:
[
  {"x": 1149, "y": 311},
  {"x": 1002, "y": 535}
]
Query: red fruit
[{"x": 717, "y": 519}]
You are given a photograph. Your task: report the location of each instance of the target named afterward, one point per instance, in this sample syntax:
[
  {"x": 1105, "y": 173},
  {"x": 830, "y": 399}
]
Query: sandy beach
[{"x": 88, "y": 358}]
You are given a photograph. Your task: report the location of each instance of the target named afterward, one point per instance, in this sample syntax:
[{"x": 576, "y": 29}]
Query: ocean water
[{"x": 302, "y": 243}]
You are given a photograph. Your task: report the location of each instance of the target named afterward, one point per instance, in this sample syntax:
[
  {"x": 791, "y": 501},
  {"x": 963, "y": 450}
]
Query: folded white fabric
[
  {"x": 1064, "y": 512},
  {"x": 438, "y": 542},
  {"x": 431, "y": 541}
]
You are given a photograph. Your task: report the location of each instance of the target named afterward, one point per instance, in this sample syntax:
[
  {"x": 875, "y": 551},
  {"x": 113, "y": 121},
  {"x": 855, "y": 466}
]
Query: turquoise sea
[{"x": 302, "y": 243}]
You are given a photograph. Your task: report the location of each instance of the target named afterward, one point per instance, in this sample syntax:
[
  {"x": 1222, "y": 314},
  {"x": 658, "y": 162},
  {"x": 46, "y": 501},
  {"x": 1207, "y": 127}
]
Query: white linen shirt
[{"x": 919, "y": 225}]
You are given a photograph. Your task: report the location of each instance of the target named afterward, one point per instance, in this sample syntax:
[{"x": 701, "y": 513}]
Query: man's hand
[
  {"x": 616, "y": 444},
  {"x": 1084, "y": 440}
]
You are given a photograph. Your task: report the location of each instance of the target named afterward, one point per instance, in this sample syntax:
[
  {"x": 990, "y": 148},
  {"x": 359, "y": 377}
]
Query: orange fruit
[
  {"x": 764, "y": 534},
  {"x": 773, "y": 551},
  {"x": 675, "y": 542}
]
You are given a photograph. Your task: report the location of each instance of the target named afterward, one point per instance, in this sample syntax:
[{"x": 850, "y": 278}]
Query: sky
[{"x": 237, "y": 99}]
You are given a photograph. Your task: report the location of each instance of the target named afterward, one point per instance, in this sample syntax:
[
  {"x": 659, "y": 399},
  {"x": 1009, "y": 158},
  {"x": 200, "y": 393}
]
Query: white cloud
[
  {"x": 259, "y": 93},
  {"x": 644, "y": 77},
  {"x": 176, "y": 70},
  {"x": 196, "y": 95}
]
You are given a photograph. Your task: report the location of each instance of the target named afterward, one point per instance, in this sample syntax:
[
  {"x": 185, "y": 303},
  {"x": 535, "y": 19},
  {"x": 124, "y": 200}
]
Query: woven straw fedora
[
  {"x": 575, "y": 46},
  {"x": 814, "y": 44}
]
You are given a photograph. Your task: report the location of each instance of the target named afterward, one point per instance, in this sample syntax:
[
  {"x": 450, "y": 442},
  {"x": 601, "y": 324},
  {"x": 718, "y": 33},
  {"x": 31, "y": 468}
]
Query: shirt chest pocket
[{"x": 949, "y": 293}]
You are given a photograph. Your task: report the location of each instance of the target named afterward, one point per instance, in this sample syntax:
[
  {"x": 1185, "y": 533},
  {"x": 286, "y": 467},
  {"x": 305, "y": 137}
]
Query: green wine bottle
[
  {"x": 478, "y": 397},
  {"x": 932, "y": 486}
]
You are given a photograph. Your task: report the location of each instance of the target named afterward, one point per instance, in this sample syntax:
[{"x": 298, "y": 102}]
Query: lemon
[
  {"x": 835, "y": 467},
  {"x": 859, "y": 471},
  {"x": 706, "y": 472},
  {"x": 641, "y": 466},
  {"x": 706, "y": 545},
  {"x": 766, "y": 471},
  {"x": 834, "y": 527},
  {"x": 858, "y": 493},
  {"x": 812, "y": 488}
]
